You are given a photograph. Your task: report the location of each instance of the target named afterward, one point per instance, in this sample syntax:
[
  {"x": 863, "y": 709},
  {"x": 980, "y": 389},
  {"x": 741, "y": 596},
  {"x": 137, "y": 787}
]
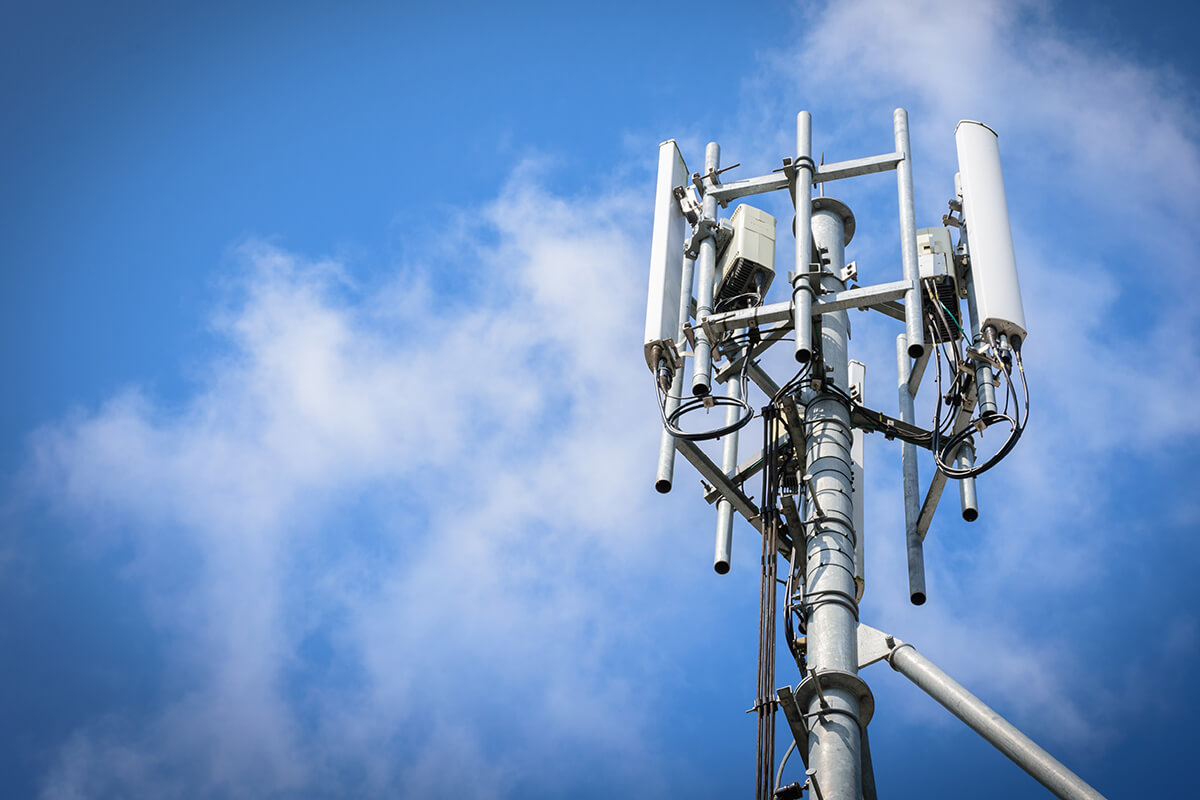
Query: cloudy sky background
[{"x": 328, "y": 446}]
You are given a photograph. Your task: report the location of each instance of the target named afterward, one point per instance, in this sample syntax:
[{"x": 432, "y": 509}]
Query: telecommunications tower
[{"x": 709, "y": 278}]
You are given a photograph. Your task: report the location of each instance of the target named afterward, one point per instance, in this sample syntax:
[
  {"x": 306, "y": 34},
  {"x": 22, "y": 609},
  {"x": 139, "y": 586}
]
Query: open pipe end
[
  {"x": 662, "y": 485},
  {"x": 918, "y": 598},
  {"x": 721, "y": 567},
  {"x": 701, "y": 389},
  {"x": 803, "y": 356},
  {"x": 970, "y": 514},
  {"x": 916, "y": 350}
]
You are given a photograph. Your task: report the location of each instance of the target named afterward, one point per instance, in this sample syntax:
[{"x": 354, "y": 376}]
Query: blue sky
[{"x": 328, "y": 446}]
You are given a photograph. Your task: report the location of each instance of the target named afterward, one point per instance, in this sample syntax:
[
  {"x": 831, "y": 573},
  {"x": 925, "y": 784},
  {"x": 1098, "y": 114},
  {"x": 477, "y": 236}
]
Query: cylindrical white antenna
[{"x": 985, "y": 209}]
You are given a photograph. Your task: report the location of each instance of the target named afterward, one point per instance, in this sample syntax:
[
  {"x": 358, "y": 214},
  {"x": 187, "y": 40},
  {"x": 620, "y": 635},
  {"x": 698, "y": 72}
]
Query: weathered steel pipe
[
  {"x": 835, "y": 740},
  {"x": 982, "y": 719},
  {"x": 723, "y": 551},
  {"x": 666, "y": 445},
  {"x": 985, "y": 390},
  {"x": 914, "y": 326},
  {"x": 706, "y": 266},
  {"x": 912, "y": 486},
  {"x": 967, "y": 498},
  {"x": 802, "y": 196}
]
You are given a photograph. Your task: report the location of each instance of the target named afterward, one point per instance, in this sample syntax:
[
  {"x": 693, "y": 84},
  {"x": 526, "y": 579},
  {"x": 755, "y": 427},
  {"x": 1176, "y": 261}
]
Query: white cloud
[{"x": 505, "y": 419}]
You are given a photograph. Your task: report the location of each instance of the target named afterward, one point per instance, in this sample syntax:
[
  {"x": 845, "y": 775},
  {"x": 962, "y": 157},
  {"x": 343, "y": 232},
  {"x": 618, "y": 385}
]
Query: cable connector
[{"x": 793, "y": 791}]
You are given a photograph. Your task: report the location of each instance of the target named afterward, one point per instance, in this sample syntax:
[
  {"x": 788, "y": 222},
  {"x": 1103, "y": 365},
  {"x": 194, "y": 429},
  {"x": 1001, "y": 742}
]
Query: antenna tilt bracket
[
  {"x": 687, "y": 204},
  {"x": 704, "y": 227}
]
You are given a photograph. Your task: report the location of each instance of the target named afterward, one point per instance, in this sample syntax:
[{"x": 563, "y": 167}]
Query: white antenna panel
[
  {"x": 666, "y": 251},
  {"x": 989, "y": 235}
]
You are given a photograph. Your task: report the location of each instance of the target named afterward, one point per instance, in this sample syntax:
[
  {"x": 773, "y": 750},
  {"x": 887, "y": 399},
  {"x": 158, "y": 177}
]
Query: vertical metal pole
[
  {"x": 666, "y": 445},
  {"x": 858, "y": 380},
  {"x": 706, "y": 265},
  {"x": 729, "y": 459},
  {"x": 913, "y": 325},
  {"x": 985, "y": 390},
  {"x": 966, "y": 486},
  {"x": 912, "y": 486},
  {"x": 835, "y": 737},
  {"x": 801, "y": 288}
]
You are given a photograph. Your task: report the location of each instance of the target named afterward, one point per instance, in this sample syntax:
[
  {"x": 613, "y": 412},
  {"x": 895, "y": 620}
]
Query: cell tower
[{"x": 809, "y": 468}]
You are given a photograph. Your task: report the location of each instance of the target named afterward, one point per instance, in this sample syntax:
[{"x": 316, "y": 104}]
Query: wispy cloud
[{"x": 478, "y": 432}]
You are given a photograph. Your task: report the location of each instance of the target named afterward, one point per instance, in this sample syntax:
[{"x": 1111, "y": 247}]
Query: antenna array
[{"x": 707, "y": 307}]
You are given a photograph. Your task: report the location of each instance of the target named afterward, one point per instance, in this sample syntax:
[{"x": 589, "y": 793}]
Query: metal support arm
[
  {"x": 862, "y": 297},
  {"x": 824, "y": 172},
  {"x": 875, "y": 646}
]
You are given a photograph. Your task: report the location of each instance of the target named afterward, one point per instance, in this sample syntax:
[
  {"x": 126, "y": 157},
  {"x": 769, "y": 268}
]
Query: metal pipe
[
  {"x": 666, "y": 444},
  {"x": 729, "y": 462},
  {"x": 706, "y": 265},
  {"x": 858, "y": 380},
  {"x": 985, "y": 390},
  {"x": 835, "y": 743},
  {"x": 982, "y": 719},
  {"x": 914, "y": 326},
  {"x": 966, "y": 486},
  {"x": 912, "y": 487},
  {"x": 802, "y": 196},
  {"x": 869, "y": 791}
]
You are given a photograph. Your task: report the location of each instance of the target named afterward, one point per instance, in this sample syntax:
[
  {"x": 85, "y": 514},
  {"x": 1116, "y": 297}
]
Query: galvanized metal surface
[
  {"x": 706, "y": 265},
  {"x": 795, "y": 719},
  {"x": 917, "y": 372},
  {"x": 914, "y": 324},
  {"x": 834, "y": 741},
  {"x": 861, "y": 297},
  {"x": 665, "y": 474},
  {"x": 769, "y": 337},
  {"x": 910, "y": 479},
  {"x": 723, "y": 548},
  {"x": 985, "y": 390},
  {"x": 802, "y": 290},
  {"x": 968, "y": 500},
  {"x": 937, "y": 484},
  {"x": 824, "y": 172},
  {"x": 982, "y": 719},
  {"x": 857, "y": 166},
  {"x": 858, "y": 380},
  {"x": 715, "y": 476}
]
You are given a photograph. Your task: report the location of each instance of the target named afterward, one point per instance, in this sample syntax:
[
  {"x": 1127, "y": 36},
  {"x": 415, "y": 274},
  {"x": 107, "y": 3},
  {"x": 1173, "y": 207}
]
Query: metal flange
[
  {"x": 837, "y": 679},
  {"x": 839, "y": 208}
]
